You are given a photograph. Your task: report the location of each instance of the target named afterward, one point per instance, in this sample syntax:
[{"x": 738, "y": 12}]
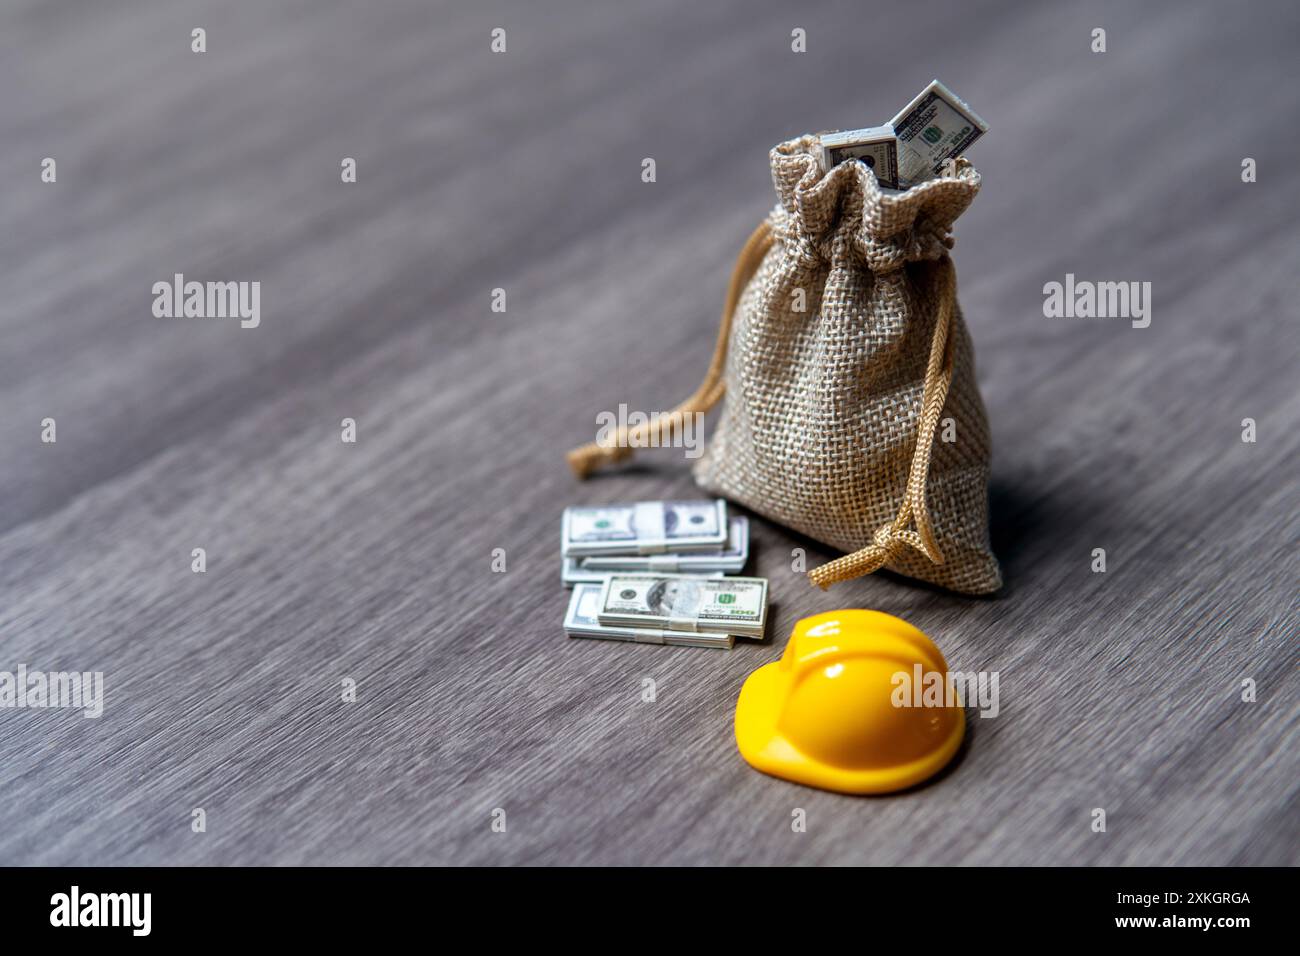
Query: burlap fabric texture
[{"x": 851, "y": 412}]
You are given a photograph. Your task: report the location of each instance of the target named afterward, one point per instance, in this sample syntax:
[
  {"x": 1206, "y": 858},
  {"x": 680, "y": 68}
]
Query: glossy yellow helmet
[{"x": 830, "y": 713}]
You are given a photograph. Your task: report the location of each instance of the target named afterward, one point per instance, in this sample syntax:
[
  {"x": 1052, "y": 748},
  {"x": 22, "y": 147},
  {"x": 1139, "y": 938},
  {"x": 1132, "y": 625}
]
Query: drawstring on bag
[
  {"x": 661, "y": 427},
  {"x": 889, "y": 539}
]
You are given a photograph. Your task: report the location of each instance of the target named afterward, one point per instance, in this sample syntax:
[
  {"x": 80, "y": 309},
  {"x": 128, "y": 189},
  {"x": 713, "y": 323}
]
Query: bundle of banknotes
[
  {"x": 656, "y": 572},
  {"x": 730, "y": 559},
  {"x": 927, "y": 134}
]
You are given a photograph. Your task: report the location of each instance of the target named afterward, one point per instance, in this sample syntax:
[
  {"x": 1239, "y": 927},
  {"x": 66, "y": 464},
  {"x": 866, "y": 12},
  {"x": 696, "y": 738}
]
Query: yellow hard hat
[{"x": 825, "y": 713}]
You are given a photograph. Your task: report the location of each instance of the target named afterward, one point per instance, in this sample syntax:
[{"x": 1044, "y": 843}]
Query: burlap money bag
[{"x": 855, "y": 421}]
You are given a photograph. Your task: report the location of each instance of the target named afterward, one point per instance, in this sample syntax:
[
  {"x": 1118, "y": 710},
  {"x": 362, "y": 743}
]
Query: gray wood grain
[{"x": 521, "y": 171}]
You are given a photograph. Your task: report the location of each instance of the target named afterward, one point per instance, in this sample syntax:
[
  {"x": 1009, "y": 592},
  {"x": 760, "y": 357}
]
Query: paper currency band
[
  {"x": 686, "y": 609},
  {"x": 648, "y": 517}
]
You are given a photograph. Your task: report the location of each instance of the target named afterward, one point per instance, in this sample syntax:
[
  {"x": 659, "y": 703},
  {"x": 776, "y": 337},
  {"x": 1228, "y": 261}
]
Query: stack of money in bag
[
  {"x": 659, "y": 572},
  {"x": 917, "y": 144}
]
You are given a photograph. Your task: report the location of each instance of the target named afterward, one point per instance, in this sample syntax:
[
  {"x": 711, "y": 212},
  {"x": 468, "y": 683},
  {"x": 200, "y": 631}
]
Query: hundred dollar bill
[
  {"x": 732, "y": 559},
  {"x": 680, "y": 602},
  {"x": 581, "y": 621},
  {"x": 876, "y": 147},
  {"x": 646, "y": 527},
  {"x": 935, "y": 127},
  {"x": 572, "y": 572}
]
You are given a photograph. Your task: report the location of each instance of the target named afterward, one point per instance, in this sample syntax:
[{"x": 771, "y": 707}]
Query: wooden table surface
[{"x": 522, "y": 171}]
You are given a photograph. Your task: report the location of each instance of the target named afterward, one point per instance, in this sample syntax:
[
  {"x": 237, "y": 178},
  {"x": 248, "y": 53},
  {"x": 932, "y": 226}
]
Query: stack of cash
[
  {"x": 927, "y": 134},
  {"x": 647, "y": 527},
  {"x": 684, "y": 602},
  {"x": 876, "y": 146},
  {"x": 730, "y": 560},
  {"x": 656, "y": 572},
  {"x": 583, "y": 621}
]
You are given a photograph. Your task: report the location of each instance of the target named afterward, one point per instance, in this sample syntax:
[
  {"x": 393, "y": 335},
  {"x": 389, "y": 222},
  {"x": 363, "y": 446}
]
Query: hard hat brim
[{"x": 765, "y": 748}]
